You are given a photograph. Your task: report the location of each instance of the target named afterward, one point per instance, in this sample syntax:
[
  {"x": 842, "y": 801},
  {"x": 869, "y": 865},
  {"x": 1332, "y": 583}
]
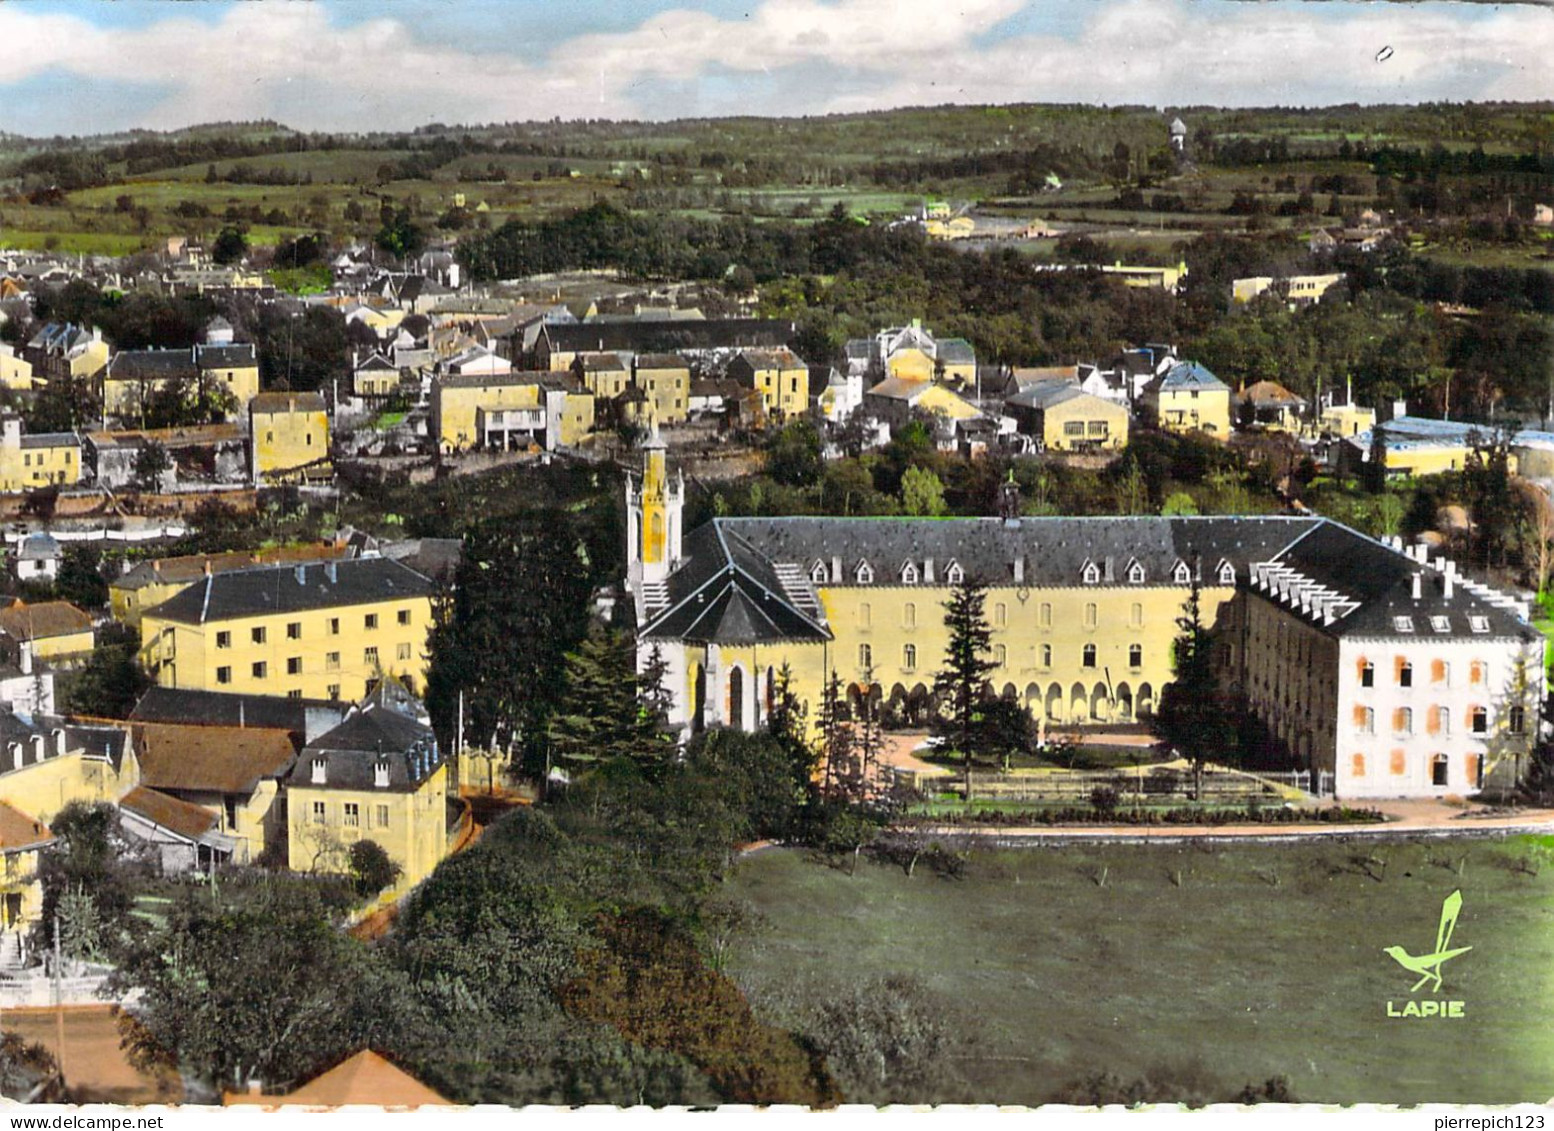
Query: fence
[{"x": 1140, "y": 786}]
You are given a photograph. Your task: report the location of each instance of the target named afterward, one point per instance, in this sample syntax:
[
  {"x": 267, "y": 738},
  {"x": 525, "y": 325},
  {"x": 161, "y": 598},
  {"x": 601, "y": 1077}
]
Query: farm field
[{"x": 1267, "y": 960}]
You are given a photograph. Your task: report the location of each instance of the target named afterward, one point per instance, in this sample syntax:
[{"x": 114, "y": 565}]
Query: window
[
  {"x": 332, "y": 661},
  {"x": 1517, "y": 720},
  {"x": 1480, "y": 719},
  {"x": 909, "y": 574},
  {"x": 269, "y": 437},
  {"x": 1399, "y": 765},
  {"x": 1098, "y": 428},
  {"x": 1405, "y": 674},
  {"x": 864, "y": 573},
  {"x": 294, "y": 630},
  {"x": 1135, "y": 655},
  {"x": 261, "y": 670},
  {"x": 1181, "y": 574},
  {"x": 404, "y": 616},
  {"x": 954, "y": 575},
  {"x": 1438, "y": 770},
  {"x": 383, "y": 816},
  {"x": 1135, "y": 573},
  {"x": 1478, "y": 624},
  {"x": 1227, "y": 574},
  {"x": 909, "y": 657},
  {"x": 1442, "y": 720},
  {"x": 223, "y": 639},
  {"x": 863, "y": 615},
  {"x": 1136, "y": 615},
  {"x": 318, "y": 812},
  {"x": 334, "y": 691},
  {"x": 257, "y": 635},
  {"x": 402, "y": 652},
  {"x": 294, "y": 665},
  {"x": 1045, "y": 615},
  {"x": 334, "y": 626},
  {"x": 1478, "y": 672},
  {"x": 370, "y": 621},
  {"x": 307, "y": 439},
  {"x": 1357, "y": 766},
  {"x": 223, "y": 675},
  {"x": 1046, "y": 655},
  {"x": 1367, "y": 674},
  {"x": 1403, "y": 624},
  {"x": 353, "y": 814},
  {"x": 1000, "y": 655},
  {"x": 865, "y": 656},
  {"x": 1073, "y": 428},
  {"x": 1091, "y": 614},
  {"x": 1000, "y": 615},
  {"x": 1089, "y": 656},
  {"x": 294, "y": 693},
  {"x": 1092, "y": 573},
  {"x": 1365, "y": 720},
  {"x": 1440, "y": 672},
  {"x": 370, "y": 656},
  {"x": 1403, "y": 720},
  {"x": 909, "y": 615},
  {"x": 1440, "y": 624},
  {"x": 817, "y": 573}
]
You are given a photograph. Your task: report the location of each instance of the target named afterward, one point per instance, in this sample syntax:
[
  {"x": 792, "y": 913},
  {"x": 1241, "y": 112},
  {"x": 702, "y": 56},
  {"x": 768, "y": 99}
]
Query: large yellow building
[
  {"x": 377, "y": 776},
  {"x": 148, "y": 584},
  {"x": 665, "y": 378},
  {"x": 288, "y": 436},
  {"x": 509, "y": 411},
  {"x": 1411, "y": 446},
  {"x": 1083, "y": 614},
  {"x": 1188, "y": 398},
  {"x": 43, "y": 459},
  {"x": 780, "y": 376},
  {"x": 233, "y": 367},
  {"x": 325, "y": 630},
  {"x": 133, "y": 377}
]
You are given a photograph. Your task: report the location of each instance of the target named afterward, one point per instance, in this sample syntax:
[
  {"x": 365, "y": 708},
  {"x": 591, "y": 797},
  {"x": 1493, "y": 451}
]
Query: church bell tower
[{"x": 653, "y": 516}]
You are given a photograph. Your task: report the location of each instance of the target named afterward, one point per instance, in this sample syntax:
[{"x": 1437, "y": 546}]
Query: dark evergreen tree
[
  {"x": 962, "y": 683},
  {"x": 1196, "y": 717}
]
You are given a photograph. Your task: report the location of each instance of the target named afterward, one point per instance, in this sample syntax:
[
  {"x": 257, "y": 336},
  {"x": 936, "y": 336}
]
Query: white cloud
[{"x": 287, "y": 60}]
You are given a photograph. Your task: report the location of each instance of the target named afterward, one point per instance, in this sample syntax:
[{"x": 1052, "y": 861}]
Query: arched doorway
[
  {"x": 1078, "y": 703},
  {"x": 736, "y": 698},
  {"x": 1124, "y": 702},
  {"x": 1055, "y": 703},
  {"x": 1100, "y": 704},
  {"x": 1146, "y": 706}
]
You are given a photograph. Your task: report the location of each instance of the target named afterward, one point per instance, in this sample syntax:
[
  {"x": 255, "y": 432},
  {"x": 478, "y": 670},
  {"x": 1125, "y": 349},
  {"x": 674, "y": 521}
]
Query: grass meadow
[{"x": 1058, "y": 962}]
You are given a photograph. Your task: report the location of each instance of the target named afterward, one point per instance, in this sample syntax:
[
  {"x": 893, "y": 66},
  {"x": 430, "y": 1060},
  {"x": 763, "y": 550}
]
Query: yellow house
[
  {"x": 233, "y": 367},
  {"x": 53, "y": 631},
  {"x": 603, "y": 374},
  {"x": 288, "y": 437},
  {"x": 324, "y": 630},
  {"x": 512, "y": 410},
  {"x": 1297, "y": 290},
  {"x": 28, "y": 462},
  {"x": 1189, "y": 398},
  {"x": 15, "y": 371},
  {"x": 780, "y": 376},
  {"x": 894, "y": 399},
  {"x": 1064, "y": 418},
  {"x": 1412, "y": 446},
  {"x": 1158, "y": 278},
  {"x": 133, "y": 377},
  {"x": 377, "y": 776},
  {"x": 22, "y": 840},
  {"x": 232, "y": 773},
  {"x": 911, "y": 364},
  {"x": 150, "y": 583},
  {"x": 665, "y": 378},
  {"x": 374, "y": 377},
  {"x": 1344, "y": 420}
]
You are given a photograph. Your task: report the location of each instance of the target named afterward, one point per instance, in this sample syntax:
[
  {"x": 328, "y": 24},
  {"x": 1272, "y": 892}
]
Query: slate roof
[
  {"x": 955, "y": 351},
  {"x": 601, "y": 363},
  {"x": 731, "y": 586},
  {"x": 132, "y": 365},
  {"x": 661, "y": 361},
  {"x": 668, "y": 337},
  {"x": 1050, "y": 394},
  {"x": 370, "y": 735},
  {"x": 51, "y": 440},
  {"x": 191, "y": 567},
  {"x": 240, "y": 355},
  {"x": 225, "y": 709},
  {"x": 210, "y": 759},
  {"x": 265, "y": 590},
  {"x": 1190, "y": 375},
  {"x": 437, "y": 558},
  {"x": 180, "y": 817},
  {"x": 39, "y": 546}
]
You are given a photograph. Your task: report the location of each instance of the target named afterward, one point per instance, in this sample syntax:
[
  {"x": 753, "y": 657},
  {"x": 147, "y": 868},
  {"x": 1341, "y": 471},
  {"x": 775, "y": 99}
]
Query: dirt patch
[{"x": 96, "y": 1069}]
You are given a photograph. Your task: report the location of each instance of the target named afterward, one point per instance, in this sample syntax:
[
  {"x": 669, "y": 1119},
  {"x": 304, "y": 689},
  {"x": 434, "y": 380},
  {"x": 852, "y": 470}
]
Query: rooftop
[{"x": 269, "y": 590}]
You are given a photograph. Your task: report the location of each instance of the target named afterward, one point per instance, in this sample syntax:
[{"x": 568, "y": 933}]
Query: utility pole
[{"x": 59, "y": 1003}]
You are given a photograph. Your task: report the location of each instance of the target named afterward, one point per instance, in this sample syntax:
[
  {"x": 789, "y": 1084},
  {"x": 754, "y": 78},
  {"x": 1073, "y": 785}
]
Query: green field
[{"x": 1267, "y": 960}]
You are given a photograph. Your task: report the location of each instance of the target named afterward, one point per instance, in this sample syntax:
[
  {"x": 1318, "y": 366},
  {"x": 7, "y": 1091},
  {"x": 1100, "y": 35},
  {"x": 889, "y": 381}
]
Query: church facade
[{"x": 1369, "y": 661}]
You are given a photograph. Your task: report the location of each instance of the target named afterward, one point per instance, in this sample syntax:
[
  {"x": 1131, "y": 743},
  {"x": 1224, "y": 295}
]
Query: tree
[
  {"x": 787, "y": 723},
  {"x": 112, "y": 681},
  {"x": 1195, "y": 715},
  {"x": 1004, "y": 731},
  {"x": 150, "y": 463},
  {"x": 962, "y": 683},
  {"x": 504, "y": 645},
  {"x": 80, "y": 579},
  {"x": 838, "y": 743},
  {"x": 28, "y": 1071},
  {"x": 922, "y": 493},
  {"x": 601, "y": 716},
  {"x": 90, "y": 858},
  {"x": 371, "y": 869},
  {"x": 230, "y": 247},
  {"x": 793, "y": 455}
]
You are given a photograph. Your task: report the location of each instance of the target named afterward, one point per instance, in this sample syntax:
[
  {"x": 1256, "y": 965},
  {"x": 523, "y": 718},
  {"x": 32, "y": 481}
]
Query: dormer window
[
  {"x": 1403, "y": 624},
  {"x": 954, "y": 574},
  {"x": 818, "y": 573},
  {"x": 1478, "y": 624},
  {"x": 864, "y": 573},
  {"x": 1440, "y": 624},
  {"x": 1135, "y": 572},
  {"x": 1227, "y": 573},
  {"x": 1181, "y": 574},
  {"x": 1091, "y": 573},
  {"x": 320, "y": 773},
  {"x": 909, "y": 574}
]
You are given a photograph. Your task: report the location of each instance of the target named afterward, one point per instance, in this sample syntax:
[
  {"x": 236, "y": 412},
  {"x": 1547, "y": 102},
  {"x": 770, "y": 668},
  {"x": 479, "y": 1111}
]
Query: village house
[
  {"x": 780, "y": 376},
  {"x": 55, "y": 632},
  {"x": 512, "y": 411},
  {"x": 148, "y": 584},
  {"x": 1189, "y": 398},
  {"x": 1269, "y": 406},
  {"x": 288, "y": 437},
  {"x": 43, "y": 459},
  {"x": 1065, "y": 418},
  {"x": 311, "y": 630}
]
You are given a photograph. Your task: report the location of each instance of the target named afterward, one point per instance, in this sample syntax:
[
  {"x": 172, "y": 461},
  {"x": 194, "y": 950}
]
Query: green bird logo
[{"x": 1428, "y": 966}]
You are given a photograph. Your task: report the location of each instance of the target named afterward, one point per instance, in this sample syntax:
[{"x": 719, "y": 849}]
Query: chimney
[
  {"x": 1447, "y": 584},
  {"x": 320, "y": 772},
  {"x": 331, "y": 572},
  {"x": 1418, "y": 586},
  {"x": 836, "y": 569},
  {"x": 1106, "y": 573},
  {"x": 1019, "y": 569},
  {"x": 927, "y": 571},
  {"x": 302, "y": 573}
]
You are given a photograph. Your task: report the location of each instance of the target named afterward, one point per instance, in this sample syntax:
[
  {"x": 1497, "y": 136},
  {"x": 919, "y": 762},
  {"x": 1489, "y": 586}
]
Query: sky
[{"x": 94, "y": 66}]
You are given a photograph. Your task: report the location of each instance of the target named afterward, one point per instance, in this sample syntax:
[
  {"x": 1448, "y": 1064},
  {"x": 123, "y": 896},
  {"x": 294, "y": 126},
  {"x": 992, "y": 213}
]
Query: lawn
[{"x": 1266, "y": 960}]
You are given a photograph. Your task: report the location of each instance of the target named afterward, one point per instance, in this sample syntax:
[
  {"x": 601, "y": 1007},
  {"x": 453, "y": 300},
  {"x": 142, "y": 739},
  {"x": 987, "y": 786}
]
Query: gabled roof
[
  {"x": 193, "y": 566},
  {"x": 1269, "y": 394},
  {"x": 365, "y": 1078},
  {"x": 667, "y": 337},
  {"x": 955, "y": 351},
  {"x": 151, "y": 365},
  {"x": 240, "y": 355},
  {"x": 19, "y": 832},
  {"x": 297, "y": 717},
  {"x": 265, "y": 590},
  {"x": 1187, "y": 375},
  {"x": 371, "y": 735},
  {"x": 771, "y": 359},
  {"x": 210, "y": 759},
  {"x": 1050, "y": 394},
  {"x": 181, "y": 818},
  {"x": 45, "y": 619}
]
